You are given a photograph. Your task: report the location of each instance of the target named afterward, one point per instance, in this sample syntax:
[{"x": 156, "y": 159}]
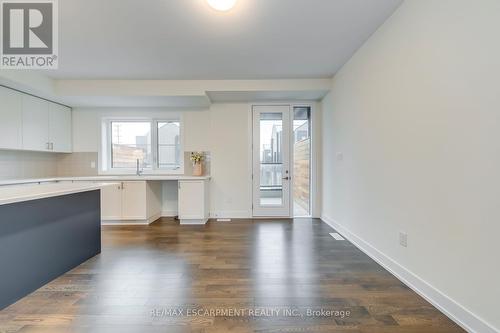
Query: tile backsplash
[
  {"x": 77, "y": 164},
  {"x": 25, "y": 164},
  {"x": 86, "y": 164}
]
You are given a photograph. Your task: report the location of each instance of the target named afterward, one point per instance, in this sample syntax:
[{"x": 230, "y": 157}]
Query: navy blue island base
[{"x": 45, "y": 238}]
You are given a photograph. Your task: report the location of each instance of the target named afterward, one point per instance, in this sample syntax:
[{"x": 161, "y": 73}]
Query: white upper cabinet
[
  {"x": 11, "y": 119},
  {"x": 59, "y": 128},
  {"x": 35, "y": 124},
  {"x": 43, "y": 125}
]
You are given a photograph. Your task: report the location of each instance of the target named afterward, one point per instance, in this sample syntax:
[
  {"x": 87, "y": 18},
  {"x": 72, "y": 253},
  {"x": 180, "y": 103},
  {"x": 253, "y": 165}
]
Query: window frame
[
  {"x": 105, "y": 148},
  {"x": 156, "y": 146}
]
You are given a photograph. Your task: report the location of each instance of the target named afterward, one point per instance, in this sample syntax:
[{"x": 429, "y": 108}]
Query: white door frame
[
  {"x": 283, "y": 210},
  {"x": 314, "y": 171}
]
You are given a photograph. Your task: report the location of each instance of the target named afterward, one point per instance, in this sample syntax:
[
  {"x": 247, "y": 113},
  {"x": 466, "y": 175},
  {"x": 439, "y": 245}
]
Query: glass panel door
[{"x": 271, "y": 150}]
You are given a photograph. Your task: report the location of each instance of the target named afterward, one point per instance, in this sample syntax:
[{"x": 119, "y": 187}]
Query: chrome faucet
[{"x": 138, "y": 171}]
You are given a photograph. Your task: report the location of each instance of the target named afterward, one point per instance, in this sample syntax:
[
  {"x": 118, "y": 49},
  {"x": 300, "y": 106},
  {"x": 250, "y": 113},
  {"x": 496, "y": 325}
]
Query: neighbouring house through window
[{"x": 155, "y": 144}]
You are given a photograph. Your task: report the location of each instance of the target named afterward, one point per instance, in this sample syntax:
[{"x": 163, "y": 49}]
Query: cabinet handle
[
  {"x": 48, "y": 145},
  {"x": 52, "y": 146}
]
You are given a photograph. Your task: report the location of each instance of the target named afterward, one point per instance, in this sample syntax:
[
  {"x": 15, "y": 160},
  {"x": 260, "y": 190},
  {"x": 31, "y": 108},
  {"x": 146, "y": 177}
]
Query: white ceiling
[{"x": 185, "y": 39}]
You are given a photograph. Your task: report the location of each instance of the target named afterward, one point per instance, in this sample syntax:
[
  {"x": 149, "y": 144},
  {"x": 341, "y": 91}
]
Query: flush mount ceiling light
[{"x": 222, "y": 5}]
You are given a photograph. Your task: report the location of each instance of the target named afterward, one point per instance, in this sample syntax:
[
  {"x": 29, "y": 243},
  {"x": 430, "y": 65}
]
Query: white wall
[
  {"x": 231, "y": 185},
  {"x": 416, "y": 113}
]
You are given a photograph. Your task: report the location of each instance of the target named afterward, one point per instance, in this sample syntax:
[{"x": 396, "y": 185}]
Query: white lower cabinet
[
  {"x": 111, "y": 202},
  {"x": 133, "y": 202},
  {"x": 193, "y": 201},
  {"x": 140, "y": 202}
]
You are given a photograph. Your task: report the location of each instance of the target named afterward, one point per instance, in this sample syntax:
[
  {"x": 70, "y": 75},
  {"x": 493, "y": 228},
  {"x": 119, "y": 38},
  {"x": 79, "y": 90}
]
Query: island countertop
[
  {"x": 13, "y": 194},
  {"x": 101, "y": 178}
]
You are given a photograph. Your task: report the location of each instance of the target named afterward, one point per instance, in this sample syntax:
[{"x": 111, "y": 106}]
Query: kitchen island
[{"x": 45, "y": 231}]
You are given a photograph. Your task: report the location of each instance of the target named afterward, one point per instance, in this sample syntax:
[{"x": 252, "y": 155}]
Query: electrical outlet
[
  {"x": 403, "y": 239},
  {"x": 92, "y": 165}
]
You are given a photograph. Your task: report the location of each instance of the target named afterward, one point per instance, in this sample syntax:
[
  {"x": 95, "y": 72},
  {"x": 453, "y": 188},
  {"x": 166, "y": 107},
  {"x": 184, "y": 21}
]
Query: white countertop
[
  {"x": 113, "y": 178},
  {"x": 12, "y": 194}
]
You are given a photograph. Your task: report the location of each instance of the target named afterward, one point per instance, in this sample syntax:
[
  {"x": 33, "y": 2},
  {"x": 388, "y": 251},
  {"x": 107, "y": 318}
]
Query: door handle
[{"x": 286, "y": 178}]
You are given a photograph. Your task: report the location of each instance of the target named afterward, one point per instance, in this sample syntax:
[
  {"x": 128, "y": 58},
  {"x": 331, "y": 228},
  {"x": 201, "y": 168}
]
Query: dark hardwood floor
[{"x": 243, "y": 276}]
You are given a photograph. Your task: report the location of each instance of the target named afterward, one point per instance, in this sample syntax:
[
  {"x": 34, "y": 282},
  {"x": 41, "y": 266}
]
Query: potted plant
[{"x": 197, "y": 159}]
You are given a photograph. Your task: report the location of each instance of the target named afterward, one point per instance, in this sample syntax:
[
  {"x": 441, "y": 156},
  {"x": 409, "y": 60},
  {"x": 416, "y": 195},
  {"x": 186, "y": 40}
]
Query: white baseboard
[
  {"x": 231, "y": 214},
  {"x": 118, "y": 221},
  {"x": 193, "y": 221},
  {"x": 456, "y": 312},
  {"x": 153, "y": 218},
  {"x": 123, "y": 222}
]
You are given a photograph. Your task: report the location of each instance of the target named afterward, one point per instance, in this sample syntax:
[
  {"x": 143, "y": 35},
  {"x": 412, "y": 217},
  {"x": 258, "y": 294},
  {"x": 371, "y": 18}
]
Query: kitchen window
[{"x": 150, "y": 146}]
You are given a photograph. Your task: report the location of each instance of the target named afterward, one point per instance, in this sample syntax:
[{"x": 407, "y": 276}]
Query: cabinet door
[
  {"x": 134, "y": 201},
  {"x": 35, "y": 123},
  {"x": 191, "y": 200},
  {"x": 11, "y": 118},
  {"x": 111, "y": 202},
  {"x": 60, "y": 128}
]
